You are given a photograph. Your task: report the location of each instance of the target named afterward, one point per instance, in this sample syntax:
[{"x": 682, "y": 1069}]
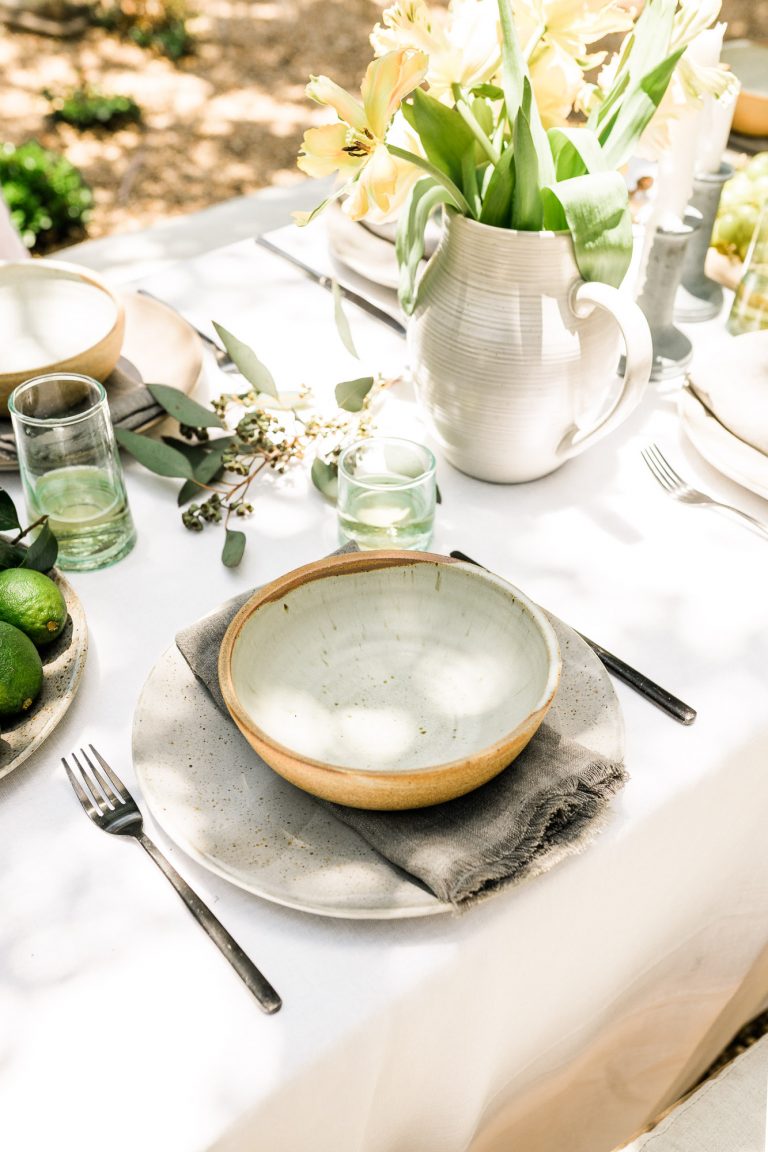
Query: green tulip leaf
[{"x": 596, "y": 208}]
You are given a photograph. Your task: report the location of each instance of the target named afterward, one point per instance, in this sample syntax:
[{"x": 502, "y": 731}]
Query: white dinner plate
[
  {"x": 159, "y": 347},
  {"x": 720, "y": 448},
  {"x": 220, "y": 803},
  {"x": 63, "y": 663},
  {"x": 369, "y": 250}
]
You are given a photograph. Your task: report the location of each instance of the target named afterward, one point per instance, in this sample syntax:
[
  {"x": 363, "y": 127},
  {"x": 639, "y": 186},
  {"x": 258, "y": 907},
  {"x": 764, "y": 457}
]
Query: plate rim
[
  {"x": 701, "y": 426},
  {"x": 79, "y": 636},
  {"x": 429, "y": 906}
]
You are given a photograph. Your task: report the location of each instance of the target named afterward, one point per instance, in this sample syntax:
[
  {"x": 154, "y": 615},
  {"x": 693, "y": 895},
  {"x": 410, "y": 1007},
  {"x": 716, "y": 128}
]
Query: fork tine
[
  {"x": 99, "y": 801},
  {"x": 84, "y": 799},
  {"x": 653, "y": 466},
  {"x": 663, "y": 463},
  {"x": 112, "y": 800},
  {"x": 123, "y": 794}
]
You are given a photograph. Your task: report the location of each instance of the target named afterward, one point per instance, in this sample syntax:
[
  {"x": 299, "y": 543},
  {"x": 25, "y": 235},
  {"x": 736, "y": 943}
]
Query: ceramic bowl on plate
[
  {"x": 57, "y": 317},
  {"x": 389, "y": 679}
]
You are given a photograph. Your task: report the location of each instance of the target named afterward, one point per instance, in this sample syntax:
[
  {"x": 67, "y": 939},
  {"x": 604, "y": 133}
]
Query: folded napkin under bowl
[
  {"x": 732, "y": 380},
  {"x": 389, "y": 680},
  {"x": 57, "y": 317}
]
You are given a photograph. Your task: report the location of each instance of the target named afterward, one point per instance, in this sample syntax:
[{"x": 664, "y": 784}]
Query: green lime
[
  {"x": 32, "y": 602},
  {"x": 21, "y": 671}
]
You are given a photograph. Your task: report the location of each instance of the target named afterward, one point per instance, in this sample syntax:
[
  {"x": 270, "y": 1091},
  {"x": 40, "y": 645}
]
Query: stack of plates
[{"x": 724, "y": 409}]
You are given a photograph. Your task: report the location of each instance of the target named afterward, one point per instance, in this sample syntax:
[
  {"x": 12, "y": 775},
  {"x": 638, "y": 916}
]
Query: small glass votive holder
[
  {"x": 749, "y": 312},
  {"x": 70, "y": 468},
  {"x": 387, "y": 494}
]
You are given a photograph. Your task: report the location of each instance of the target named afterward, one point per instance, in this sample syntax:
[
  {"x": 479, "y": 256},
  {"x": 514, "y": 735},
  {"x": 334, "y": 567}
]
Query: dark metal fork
[{"x": 110, "y": 805}]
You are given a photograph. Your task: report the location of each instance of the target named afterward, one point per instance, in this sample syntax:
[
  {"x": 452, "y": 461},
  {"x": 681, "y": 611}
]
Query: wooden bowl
[
  {"x": 389, "y": 679},
  {"x": 57, "y": 317}
]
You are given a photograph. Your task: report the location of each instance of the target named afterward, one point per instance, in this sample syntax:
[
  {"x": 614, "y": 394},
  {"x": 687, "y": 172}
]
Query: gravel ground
[{"x": 222, "y": 122}]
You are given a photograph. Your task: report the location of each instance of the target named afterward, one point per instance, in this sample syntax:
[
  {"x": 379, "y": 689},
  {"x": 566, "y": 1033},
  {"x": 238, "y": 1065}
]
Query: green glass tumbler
[
  {"x": 387, "y": 494},
  {"x": 750, "y": 306},
  {"x": 70, "y": 468}
]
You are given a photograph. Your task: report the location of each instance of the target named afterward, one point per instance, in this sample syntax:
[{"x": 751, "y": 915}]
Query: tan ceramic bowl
[
  {"x": 389, "y": 679},
  {"x": 57, "y": 317}
]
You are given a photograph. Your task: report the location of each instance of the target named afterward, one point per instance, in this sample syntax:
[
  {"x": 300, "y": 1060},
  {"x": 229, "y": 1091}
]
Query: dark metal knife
[
  {"x": 328, "y": 281},
  {"x": 658, "y": 696}
]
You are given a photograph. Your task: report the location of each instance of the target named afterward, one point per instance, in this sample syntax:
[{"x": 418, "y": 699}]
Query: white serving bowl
[
  {"x": 56, "y": 317},
  {"x": 389, "y": 679}
]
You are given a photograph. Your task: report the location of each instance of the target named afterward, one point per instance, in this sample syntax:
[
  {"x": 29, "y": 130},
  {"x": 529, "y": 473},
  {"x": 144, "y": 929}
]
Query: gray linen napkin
[
  {"x": 130, "y": 409},
  {"x": 548, "y": 804}
]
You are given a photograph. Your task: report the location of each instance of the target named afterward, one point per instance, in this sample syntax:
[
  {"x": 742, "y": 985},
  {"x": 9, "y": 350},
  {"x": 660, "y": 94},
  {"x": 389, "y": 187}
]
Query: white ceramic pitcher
[{"x": 514, "y": 356}]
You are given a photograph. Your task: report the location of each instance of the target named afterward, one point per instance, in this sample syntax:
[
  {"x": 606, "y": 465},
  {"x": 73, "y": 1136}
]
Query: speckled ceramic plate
[
  {"x": 220, "y": 803},
  {"x": 63, "y": 663}
]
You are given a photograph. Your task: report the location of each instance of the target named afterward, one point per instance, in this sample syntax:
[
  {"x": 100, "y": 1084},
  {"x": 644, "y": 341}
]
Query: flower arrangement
[{"x": 486, "y": 107}]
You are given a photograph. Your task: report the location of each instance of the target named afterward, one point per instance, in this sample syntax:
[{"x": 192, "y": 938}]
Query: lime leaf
[
  {"x": 183, "y": 408},
  {"x": 234, "y": 546},
  {"x": 8, "y": 516},
  {"x": 42, "y": 552},
  {"x": 248, "y": 362},
  {"x": 154, "y": 455},
  {"x": 350, "y": 394},
  {"x": 11, "y": 555},
  {"x": 342, "y": 323},
  {"x": 325, "y": 477}
]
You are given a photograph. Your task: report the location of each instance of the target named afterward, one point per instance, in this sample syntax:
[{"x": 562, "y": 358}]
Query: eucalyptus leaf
[
  {"x": 342, "y": 323},
  {"x": 248, "y": 362},
  {"x": 350, "y": 394},
  {"x": 154, "y": 455},
  {"x": 234, "y": 546},
  {"x": 596, "y": 208},
  {"x": 42, "y": 552},
  {"x": 325, "y": 477},
  {"x": 184, "y": 408},
  {"x": 207, "y": 468},
  {"x": 8, "y": 516}
]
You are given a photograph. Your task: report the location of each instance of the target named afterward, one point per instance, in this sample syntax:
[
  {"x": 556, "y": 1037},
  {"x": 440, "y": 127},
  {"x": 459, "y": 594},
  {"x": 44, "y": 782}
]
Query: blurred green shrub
[
  {"x": 87, "y": 107},
  {"x": 157, "y": 24},
  {"x": 48, "y": 198}
]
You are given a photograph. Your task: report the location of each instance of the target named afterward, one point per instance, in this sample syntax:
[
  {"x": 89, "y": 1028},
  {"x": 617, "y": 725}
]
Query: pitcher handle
[{"x": 584, "y": 298}]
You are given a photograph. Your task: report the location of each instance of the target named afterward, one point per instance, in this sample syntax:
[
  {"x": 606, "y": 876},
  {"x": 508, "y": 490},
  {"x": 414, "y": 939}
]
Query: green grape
[{"x": 740, "y": 204}]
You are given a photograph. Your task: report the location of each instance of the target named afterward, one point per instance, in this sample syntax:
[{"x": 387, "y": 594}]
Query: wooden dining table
[{"x": 564, "y": 1012}]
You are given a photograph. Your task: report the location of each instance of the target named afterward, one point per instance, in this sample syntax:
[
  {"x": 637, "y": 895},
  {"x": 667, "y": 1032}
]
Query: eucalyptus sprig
[
  {"x": 222, "y": 449},
  {"x": 40, "y": 554}
]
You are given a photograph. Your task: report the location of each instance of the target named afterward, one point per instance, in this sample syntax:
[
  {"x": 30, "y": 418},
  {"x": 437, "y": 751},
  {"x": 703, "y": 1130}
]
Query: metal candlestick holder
[
  {"x": 672, "y": 350},
  {"x": 699, "y": 297}
]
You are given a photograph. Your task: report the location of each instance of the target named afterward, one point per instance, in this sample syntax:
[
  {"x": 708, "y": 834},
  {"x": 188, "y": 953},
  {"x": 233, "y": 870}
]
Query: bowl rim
[
  {"x": 79, "y": 272},
  {"x": 353, "y": 562}
]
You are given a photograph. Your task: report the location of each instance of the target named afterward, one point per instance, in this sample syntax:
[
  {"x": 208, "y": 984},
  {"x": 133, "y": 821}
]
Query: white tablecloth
[{"x": 563, "y": 1014}]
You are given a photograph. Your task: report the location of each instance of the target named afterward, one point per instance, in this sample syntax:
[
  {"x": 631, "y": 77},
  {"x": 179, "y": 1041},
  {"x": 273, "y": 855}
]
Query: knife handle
[{"x": 637, "y": 680}]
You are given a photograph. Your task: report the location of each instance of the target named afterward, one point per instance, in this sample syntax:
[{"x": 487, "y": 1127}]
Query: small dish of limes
[{"x": 43, "y": 645}]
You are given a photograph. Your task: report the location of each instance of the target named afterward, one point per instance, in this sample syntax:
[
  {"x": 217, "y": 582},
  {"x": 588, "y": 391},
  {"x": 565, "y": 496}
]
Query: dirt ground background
[{"x": 219, "y": 123}]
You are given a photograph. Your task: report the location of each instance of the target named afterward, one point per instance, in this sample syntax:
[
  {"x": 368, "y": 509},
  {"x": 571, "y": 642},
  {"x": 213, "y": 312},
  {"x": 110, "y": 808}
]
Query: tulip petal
[
  {"x": 323, "y": 90},
  {"x": 387, "y": 82},
  {"x": 322, "y": 152}
]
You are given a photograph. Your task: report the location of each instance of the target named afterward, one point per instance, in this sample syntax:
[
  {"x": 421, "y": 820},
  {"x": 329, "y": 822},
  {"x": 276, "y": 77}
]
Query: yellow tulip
[{"x": 348, "y": 146}]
